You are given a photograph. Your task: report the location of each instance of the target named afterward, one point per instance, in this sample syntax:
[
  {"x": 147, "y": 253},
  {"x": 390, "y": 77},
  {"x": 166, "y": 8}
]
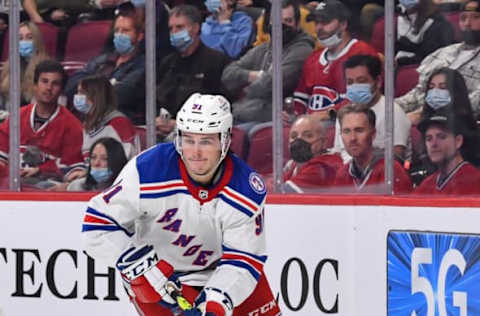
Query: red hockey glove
[{"x": 146, "y": 274}]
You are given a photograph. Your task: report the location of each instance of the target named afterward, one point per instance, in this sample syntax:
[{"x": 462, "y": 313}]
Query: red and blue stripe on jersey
[
  {"x": 250, "y": 262},
  {"x": 162, "y": 173},
  {"x": 94, "y": 220}
]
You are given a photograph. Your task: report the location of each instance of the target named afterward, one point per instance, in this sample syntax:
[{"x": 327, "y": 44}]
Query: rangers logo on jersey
[{"x": 256, "y": 183}]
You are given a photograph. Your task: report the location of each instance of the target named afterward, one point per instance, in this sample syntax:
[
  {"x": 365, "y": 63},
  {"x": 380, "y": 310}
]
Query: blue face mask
[
  {"x": 138, "y": 3},
  {"x": 409, "y": 4},
  {"x": 360, "y": 93},
  {"x": 101, "y": 175},
  {"x": 438, "y": 98},
  {"x": 80, "y": 103},
  {"x": 26, "y": 48},
  {"x": 181, "y": 40},
  {"x": 213, "y": 5},
  {"x": 123, "y": 43}
]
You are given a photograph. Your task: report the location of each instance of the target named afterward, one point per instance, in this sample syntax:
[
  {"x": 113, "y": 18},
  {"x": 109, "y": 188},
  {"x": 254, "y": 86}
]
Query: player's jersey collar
[{"x": 206, "y": 194}]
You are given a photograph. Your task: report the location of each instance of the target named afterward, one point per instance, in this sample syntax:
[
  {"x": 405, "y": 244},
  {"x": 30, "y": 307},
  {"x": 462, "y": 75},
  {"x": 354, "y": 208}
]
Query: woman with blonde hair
[
  {"x": 96, "y": 101},
  {"x": 32, "y": 52}
]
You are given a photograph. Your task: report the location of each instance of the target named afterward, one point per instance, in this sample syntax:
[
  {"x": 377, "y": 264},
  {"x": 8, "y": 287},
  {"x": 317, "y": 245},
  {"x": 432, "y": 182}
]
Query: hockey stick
[{"x": 173, "y": 292}]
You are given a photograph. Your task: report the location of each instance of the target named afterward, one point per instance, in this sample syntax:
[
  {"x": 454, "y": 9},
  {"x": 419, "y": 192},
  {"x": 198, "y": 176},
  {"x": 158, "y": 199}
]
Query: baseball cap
[
  {"x": 329, "y": 10},
  {"x": 447, "y": 121},
  {"x": 469, "y": 6}
]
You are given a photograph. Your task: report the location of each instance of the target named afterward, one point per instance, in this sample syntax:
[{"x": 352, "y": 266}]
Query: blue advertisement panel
[{"x": 433, "y": 274}]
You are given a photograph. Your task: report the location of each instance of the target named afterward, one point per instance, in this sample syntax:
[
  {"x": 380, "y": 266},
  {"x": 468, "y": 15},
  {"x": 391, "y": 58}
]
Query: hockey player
[{"x": 187, "y": 218}]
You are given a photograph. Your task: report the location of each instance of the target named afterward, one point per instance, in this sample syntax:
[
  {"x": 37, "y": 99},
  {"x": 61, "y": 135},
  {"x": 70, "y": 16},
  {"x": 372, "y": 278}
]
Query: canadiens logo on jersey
[{"x": 323, "y": 98}]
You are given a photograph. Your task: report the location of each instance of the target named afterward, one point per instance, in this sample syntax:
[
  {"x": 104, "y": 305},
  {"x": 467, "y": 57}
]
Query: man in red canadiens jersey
[
  {"x": 322, "y": 82},
  {"x": 444, "y": 140},
  {"x": 187, "y": 218},
  {"x": 311, "y": 167},
  {"x": 51, "y": 136},
  {"x": 365, "y": 172}
]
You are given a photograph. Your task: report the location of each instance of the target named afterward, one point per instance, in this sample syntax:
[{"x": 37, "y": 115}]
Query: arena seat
[
  {"x": 260, "y": 155},
  {"x": 454, "y": 18},
  {"x": 239, "y": 142},
  {"x": 86, "y": 40},
  {"x": 406, "y": 78},
  {"x": 50, "y": 37}
]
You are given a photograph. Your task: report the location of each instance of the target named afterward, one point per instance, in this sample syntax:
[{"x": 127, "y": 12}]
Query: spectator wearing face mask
[
  {"x": 193, "y": 67},
  {"x": 96, "y": 101},
  {"x": 32, "y": 52},
  {"x": 363, "y": 75},
  {"x": 311, "y": 167},
  {"x": 226, "y": 29},
  {"x": 446, "y": 92},
  {"x": 251, "y": 75},
  {"x": 106, "y": 160},
  {"x": 463, "y": 57},
  {"x": 421, "y": 30},
  {"x": 322, "y": 80},
  {"x": 124, "y": 67}
]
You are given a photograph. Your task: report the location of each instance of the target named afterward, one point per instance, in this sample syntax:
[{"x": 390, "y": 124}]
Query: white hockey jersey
[{"x": 211, "y": 236}]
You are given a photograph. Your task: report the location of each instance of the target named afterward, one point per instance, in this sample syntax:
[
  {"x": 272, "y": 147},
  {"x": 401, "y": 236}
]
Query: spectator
[
  {"x": 365, "y": 173},
  {"x": 311, "y": 167},
  {"x": 363, "y": 74},
  {"x": 193, "y": 67},
  {"x": 125, "y": 68},
  {"x": 106, "y": 160},
  {"x": 32, "y": 51},
  {"x": 444, "y": 140},
  {"x": 96, "y": 101},
  {"x": 421, "y": 30},
  {"x": 51, "y": 136},
  {"x": 323, "y": 79},
  {"x": 446, "y": 91},
  {"x": 227, "y": 29},
  {"x": 263, "y": 36},
  {"x": 251, "y": 76},
  {"x": 463, "y": 57},
  {"x": 163, "y": 46}
]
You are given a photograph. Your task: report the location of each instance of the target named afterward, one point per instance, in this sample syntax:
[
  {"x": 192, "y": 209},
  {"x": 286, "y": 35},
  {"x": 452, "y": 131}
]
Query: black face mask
[
  {"x": 471, "y": 37},
  {"x": 300, "y": 150},
  {"x": 288, "y": 33}
]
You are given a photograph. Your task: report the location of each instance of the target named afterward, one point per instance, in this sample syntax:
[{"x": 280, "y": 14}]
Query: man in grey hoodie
[{"x": 251, "y": 76}]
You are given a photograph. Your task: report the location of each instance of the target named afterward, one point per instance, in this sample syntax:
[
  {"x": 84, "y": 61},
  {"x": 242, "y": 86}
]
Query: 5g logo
[
  {"x": 433, "y": 274},
  {"x": 420, "y": 284}
]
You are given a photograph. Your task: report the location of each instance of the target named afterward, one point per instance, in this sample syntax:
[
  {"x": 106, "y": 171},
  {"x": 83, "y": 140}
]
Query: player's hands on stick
[
  {"x": 218, "y": 304},
  {"x": 147, "y": 274}
]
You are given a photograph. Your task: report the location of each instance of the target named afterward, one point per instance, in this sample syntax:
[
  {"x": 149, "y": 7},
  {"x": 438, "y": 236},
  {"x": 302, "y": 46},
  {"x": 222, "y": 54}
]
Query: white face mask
[{"x": 331, "y": 41}]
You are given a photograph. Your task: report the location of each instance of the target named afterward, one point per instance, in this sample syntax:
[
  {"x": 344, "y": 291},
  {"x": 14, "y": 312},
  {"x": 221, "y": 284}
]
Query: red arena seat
[
  {"x": 406, "y": 79},
  {"x": 86, "y": 40},
  {"x": 260, "y": 155}
]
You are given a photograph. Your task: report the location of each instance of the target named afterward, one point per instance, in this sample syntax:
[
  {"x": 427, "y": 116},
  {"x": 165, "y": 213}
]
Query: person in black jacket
[
  {"x": 124, "y": 67},
  {"x": 193, "y": 67},
  {"x": 421, "y": 30}
]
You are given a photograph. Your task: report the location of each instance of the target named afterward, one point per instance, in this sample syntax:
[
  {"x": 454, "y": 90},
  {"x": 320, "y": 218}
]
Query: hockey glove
[
  {"x": 146, "y": 274},
  {"x": 218, "y": 304}
]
